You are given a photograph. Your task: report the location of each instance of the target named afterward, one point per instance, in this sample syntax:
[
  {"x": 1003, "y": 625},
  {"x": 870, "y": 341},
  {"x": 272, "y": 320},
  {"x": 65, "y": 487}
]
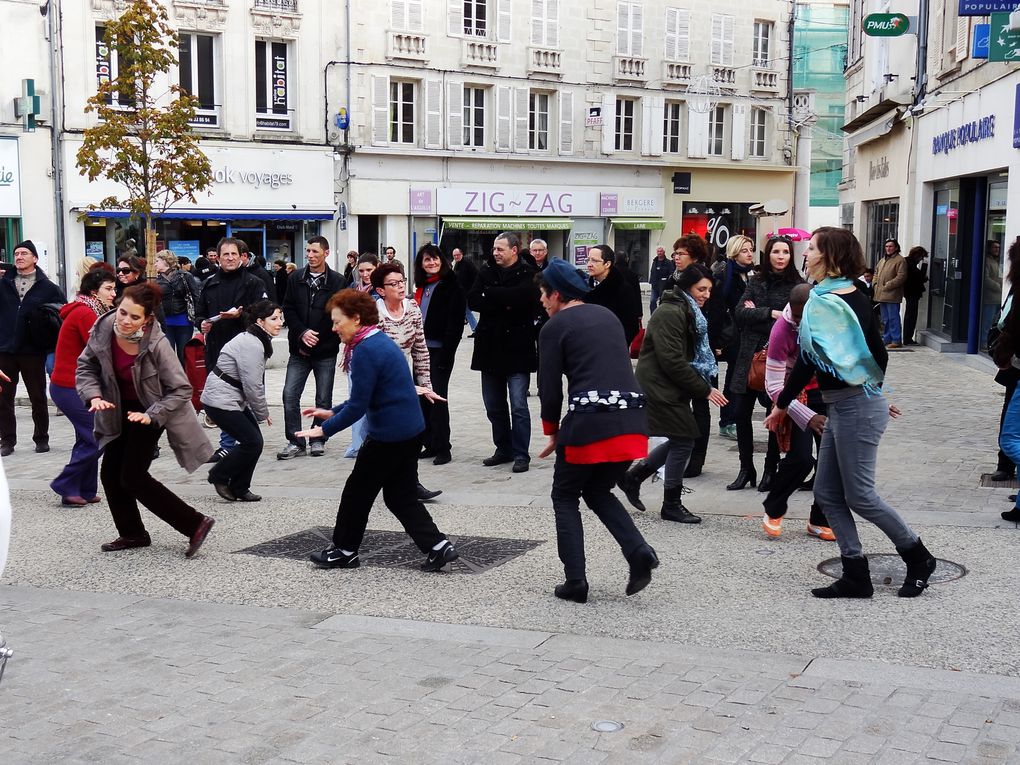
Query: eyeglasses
[
  {"x": 125, "y": 270},
  {"x": 400, "y": 283},
  {"x": 596, "y": 260}
]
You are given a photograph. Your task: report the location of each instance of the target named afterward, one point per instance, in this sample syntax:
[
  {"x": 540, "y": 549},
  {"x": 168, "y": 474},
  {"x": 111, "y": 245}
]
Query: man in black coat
[
  {"x": 466, "y": 272},
  {"x": 658, "y": 276},
  {"x": 506, "y": 299},
  {"x": 253, "y": 266},
  {"x": 24, "y": 291},
  {"x": 612, "y": 289},
  {"x": 313, "y": 345}
]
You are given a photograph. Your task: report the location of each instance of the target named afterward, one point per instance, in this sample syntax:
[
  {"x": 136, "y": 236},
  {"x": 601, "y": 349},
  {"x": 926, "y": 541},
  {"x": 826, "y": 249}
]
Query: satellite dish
[{"x": 775, "y": 207}]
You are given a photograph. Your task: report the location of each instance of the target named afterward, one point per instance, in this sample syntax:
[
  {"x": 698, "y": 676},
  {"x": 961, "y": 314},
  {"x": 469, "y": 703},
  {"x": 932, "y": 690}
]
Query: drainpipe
[
  {"x": 921, "y": 73},
  {"x": 56, "y": 133},
  {"x": 789, "y": 98},
  {"x": 977, "y": 264}
]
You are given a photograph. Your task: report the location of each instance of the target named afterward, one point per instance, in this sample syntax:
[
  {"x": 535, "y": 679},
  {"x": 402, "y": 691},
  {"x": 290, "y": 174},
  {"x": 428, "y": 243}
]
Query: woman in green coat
[{"x": 675, "y": 366}]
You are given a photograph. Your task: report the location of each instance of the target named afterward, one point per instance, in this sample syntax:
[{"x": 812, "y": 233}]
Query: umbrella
[{"x": 796, "y": 234}]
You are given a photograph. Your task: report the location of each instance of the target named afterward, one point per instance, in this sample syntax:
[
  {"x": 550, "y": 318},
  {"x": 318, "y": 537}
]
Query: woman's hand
[
  {"x": 775, "y": 419},
  {"x": 716, "y": 397},
  {"x": 748, "y": 304},
  {"x": 817, "y": 423},
  {"x": 310, "y": 433},
  {"x": 319, "y": 414},
  {"x": 894, "y": 411},
  {"x": 5, "y": 378},
  {"x": 269, "y": 421},
  {"x": 139, "y": 417},
  {"x": 550, "y": 447},
  {"x": 777, "y": 314},
  {"x": 98, "y": 405},
  {"x": 429, "y": 394}
]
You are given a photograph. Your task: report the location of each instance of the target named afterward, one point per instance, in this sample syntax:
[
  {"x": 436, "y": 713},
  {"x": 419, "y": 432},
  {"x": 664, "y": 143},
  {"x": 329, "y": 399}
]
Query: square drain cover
[
  {"x": 394, "y": 549},
  {"x": 988, "y": 483}
]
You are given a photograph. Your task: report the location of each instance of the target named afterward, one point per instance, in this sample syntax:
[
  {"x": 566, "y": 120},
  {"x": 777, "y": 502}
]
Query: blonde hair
[
  {"x": 291, "y": 268},
  {"x": 84, "y": 265},
  {"x": 168, "y": 257},
  {"x": 735, "y": 244}
]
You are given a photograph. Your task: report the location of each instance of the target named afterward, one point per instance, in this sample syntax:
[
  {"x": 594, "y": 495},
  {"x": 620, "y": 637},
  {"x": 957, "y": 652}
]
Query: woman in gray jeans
[{"x": 841, "y": 344}]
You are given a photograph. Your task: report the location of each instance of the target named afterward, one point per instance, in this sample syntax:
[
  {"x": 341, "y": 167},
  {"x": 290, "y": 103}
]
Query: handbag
[
  {"x": 756, "y": 371},
  {"x": 635, "y": 344}
]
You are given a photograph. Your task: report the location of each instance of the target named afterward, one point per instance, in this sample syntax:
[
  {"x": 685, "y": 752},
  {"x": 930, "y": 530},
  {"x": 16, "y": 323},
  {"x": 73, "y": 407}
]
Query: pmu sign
[{"x": 886, "y": 24}]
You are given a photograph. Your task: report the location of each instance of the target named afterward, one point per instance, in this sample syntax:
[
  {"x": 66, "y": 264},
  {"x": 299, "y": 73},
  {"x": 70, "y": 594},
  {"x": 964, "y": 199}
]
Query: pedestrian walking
[
  {"x": 658, "y": 277},
  {"x": 382, "y": 391},
  {"x": 913, "y": 291},
  {"x": 841, "y": 345},
  {"x": 604, "y": 428},
  {"x": 611, "y": 289},
  {"x": 178, "y": 302},
  {"x": 131, "y": 379},
  {"x": 890, "y": 278},
  {"x": 730, "y": 276}
]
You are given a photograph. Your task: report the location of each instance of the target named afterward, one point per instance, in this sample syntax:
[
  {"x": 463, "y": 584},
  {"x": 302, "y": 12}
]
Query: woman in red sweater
[{"x": 77, "y": 483}]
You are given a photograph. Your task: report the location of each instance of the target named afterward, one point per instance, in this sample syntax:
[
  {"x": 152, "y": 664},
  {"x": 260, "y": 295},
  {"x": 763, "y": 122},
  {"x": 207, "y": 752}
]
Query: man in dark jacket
[
  {"x": 313, "y": 344},
  {"x": 466, "y": 272},
  {"x": 612, "y": 289},
  {"x": 24, "y": 292},
  {"x": 658, "y": 276},
  {"x": 506, "y": 299},
  {"x": 256, "y": 267}
]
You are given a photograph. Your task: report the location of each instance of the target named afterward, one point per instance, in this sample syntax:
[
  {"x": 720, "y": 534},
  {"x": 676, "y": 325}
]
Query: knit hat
[
  {"x": 28, "y": 245},
  {"x": 563, "y": 278}
]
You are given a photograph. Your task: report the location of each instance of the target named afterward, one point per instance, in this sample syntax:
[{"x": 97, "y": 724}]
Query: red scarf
[
  {"x": 360, "y": 335},
  {"x": 418, "y": 291}
]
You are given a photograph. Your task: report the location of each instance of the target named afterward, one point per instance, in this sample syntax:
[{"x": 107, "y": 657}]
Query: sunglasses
[{"x": 125, "y": 270}]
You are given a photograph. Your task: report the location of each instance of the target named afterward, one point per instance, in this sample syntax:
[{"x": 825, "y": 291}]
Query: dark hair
[
  {"x": 894, "y": 242},
  {"x": 840, "y": 250},
  {"x": 389, "y": 247},
  {"x": 380, "y": 274},
  {"x": 322, "y": 241},
  {"x": 696, "y": 246},
  {"x": 260, "y": 309},
  {"x": 419, "y": 269},
  {"x": 607, "y": 252},
  {"x": 95, "y": 278},
  {"x": 242, "y": 247},
  {"x": 145, "y": 295},
  {"x": 917, "y": 252},
  {"x": 134, "y": 262},
  {"x": 788, "y": 274},
  {"x": 103, "y": 266},
  {"x": 688, "y": 277},
  {"x": 352, "y": 253},
  {"x": 211, "y": 249},
  {"x": 369, "y": 257},
  {"x": 1013, "y": 253},
  {"x": 512, "y": 240},
  {"x": 228, "y": 240},
  {"x": 184, "y": 260},
  {"x": 869, "y": 271},
  {"x": 281, "y": 263},
  {"x": 353, "y": 303}
]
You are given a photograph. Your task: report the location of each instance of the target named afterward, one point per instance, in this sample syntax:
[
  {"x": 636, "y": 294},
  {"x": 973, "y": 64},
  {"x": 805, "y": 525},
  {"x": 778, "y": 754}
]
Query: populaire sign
[{"x": 969, "y": 132}]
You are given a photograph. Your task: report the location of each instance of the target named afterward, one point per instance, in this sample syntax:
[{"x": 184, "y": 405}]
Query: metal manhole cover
[
  {"x": 394, "y": 549},
  {"x": 988, "y": 483},
  {"x": 887, "y": 569}
]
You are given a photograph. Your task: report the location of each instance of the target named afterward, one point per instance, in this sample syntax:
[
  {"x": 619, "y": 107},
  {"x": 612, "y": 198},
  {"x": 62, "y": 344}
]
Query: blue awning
[{"x": 235, "y": 215}]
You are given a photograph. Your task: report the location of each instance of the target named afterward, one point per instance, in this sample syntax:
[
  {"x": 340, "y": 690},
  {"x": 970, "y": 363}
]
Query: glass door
[
  {"x": 994, "y": 259},
  {"x": 253, "y": 236},
  {"x": 946, "y": 276}
]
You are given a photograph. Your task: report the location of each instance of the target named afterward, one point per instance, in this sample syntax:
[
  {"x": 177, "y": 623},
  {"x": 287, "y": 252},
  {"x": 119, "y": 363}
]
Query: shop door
[
  {"x": 254, "y": 237},
  {"x": 632, "y": 248},
  {"x": 995, "y": 268},
  {"x": 946, "y": 280}
]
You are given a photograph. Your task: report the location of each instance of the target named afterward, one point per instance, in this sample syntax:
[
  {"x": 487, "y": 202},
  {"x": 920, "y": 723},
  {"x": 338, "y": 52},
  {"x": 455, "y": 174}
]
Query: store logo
[
  {"x": 978, "y": 130},
  {"x": 528, "y": 202},
  {"x": 253, "y": 178},
  {"x": 6, "y": 177},
  {"x": 878, "y": 169}
]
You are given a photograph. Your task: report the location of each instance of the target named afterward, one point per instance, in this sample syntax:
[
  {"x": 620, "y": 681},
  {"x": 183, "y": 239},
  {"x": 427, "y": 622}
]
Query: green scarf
[{"x": 831, "y": 338}]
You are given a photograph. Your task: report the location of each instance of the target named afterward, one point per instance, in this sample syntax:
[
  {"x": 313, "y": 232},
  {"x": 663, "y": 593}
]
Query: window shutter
[
  {"x": 637, "y": 43},
  {"x": 504, "y": 98},
  {"x": 398, "y": 14},
  {"x": 623, "y": 29},
  {"x": 552, "y": 23},
  {"x": 672, "y": 34},
  {"x": 962, "y": 37},
  {"x": 503, "y": 16},
  {"x": 738, "y": 138},
  {"x": 538, "y": 22},
  {"x": 935, "y": 53},
  {"x": 455, "y": 18},
  {"x": 652, "y": 113},
  {"x": 608, "y": 124},
  {"x": 683, "y": 35},
  {"x": 727, "y": 41},
  {"x": 380, "y": 110},
  {"x": 521, "y": 109},
  {"x": 566, "y": 122},
  {"x": 415, "y": 15},
  {"x": 454, "y": 115},
  {"x": 433, "y": 114},
  {"x": 717, "y": 24},
  {"x": 697, "y": 133}
]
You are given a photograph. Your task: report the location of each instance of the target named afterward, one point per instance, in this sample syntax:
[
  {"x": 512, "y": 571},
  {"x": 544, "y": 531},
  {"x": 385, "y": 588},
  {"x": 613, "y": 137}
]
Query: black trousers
[
  {"x": 703, "y": 419},
  {"x": 237, "y": 468},
  {"x": 593, "y": 484},
  {"x": 745, "y": 435},
  {"x": 910, "y": 319},
  {"x": 437, "y": 414},
  {"x": 31, "y": 368},
  {"x": 391, "y": 468},
  {"x": 126, "y": 480},
  {"x": 727, "y": 413}
]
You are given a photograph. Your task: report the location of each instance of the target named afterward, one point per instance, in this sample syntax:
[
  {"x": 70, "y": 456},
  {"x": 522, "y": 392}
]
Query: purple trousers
[{"x": 80, "y": 477}]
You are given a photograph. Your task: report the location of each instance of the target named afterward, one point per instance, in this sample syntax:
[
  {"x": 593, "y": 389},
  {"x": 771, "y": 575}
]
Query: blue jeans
[
  {"x": 298, "y": 369},
  {"x": 845, "y": 477},
  {"x": 511, "y": 424},
  {"x": 80, "y": 477},
  {"x": 891, "y": 330},
  {"x": 1009, "y": 433},
  {"x": 471, "y": 320},
  {"x": 179, "y": 335}
]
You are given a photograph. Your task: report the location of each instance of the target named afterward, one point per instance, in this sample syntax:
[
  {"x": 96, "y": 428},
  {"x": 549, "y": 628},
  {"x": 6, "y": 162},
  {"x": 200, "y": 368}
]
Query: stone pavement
[{"x": 724, "y": 658}]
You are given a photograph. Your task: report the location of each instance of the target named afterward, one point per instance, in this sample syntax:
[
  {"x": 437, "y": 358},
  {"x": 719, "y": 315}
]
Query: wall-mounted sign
[
  {"x": 886, "y": 24},
  {"x": 1003, "y": 43},
  {"x": 984, "y": 7},
  {"x": 632, "y": 202},
  {"x": 878, "y": 168},
  {"x": 969, "y": 132},
  {"x": 494, "y": 200},
  {"x": 594, "y": 117},
  {"x": 681, "y": 183},
  {"x": 420, "y": 202},
  {"x": 10, "y": 179},
  {"x": 979, "y": 48}
]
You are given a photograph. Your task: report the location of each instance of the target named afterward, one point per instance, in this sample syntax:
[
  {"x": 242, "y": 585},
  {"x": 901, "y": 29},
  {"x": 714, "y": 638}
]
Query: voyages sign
[{"x": 10, "y": 179}]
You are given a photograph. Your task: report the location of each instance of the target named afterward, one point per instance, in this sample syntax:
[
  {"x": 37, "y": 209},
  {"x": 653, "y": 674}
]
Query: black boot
[
  {"x": 766, "y": 479},
  {"x": 855, "y": 582},
  {"x": 694, "y": 466},
  {"x": 641, "y": 561},
  {"x": 630, "y": 484},
  {"x": 747, "y": 475},
  {"x": 920, "y": 566},
  {"x": 673, "y": 507},
  {"x": 573, "y": 589},
  {"x": 1002, "y": 474}
]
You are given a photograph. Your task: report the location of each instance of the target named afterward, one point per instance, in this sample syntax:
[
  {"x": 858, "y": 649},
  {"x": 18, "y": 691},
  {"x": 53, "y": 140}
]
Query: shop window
[
  {"x": 625, "y": 108},
  {"x": 760, "y": 43},
  {"x": 108, "y": 66},
  {"x": 671, "y": 141},
  {"x": 716, "y": 222},
  {"x": 475, "y": 17},
  {"x": 538, "y": 121},
  {"x": 758, "y": 127},
  {"x": 474, "y": 117},
  {"x": 629, "y": 29},
  {"x": 198, "y": 65},
  {"x": 883, "y": 223},
  {"x": 402, "y": 98},
  {"x": 545, "y": 20},
  {"x": 722, "y": 40},
  {"x": 272, "y": 85},
  {"x": 716, "y": 131}
]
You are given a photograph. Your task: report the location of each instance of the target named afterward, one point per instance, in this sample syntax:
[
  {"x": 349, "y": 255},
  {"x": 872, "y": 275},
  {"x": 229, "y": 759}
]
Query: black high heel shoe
[
  {"x": 573, "y": 589},
  {"x": 744, "y": 477},
  {"x": 766, "y": 480}
]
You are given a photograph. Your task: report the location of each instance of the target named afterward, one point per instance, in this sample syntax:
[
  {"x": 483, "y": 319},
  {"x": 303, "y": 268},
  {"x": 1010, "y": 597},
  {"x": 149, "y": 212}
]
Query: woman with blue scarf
[
  {"x": 841, "y": 343},
  {"x": 675, "y": 366}
]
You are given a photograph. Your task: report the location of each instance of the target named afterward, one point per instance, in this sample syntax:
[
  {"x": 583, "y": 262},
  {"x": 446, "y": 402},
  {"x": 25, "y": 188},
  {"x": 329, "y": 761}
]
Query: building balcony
[
  {"x": 630, "y": 69},
  {"x": 545, "y": 61},
  {"x": 764, "y": 79},
  {"x": 275, "y": 18},
  {"x": 287, "y": 6},
  {"x": 407, "y": 46},
  {"x": 724, "y": 76},
  {"x": 479, "y": 53},
  {"x": 676, "y": 73}
]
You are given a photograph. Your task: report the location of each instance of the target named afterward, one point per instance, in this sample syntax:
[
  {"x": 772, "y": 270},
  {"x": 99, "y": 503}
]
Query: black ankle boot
[
  {"x": 673, "y": 507},
  {"x": 747, "y": 475},
  {"x": 573, "y": 589},
  {"x": 641, "y": 561},
  {"x": 694, "y": 466},
  {"x": 920, "y": 566},
  {"x": 630, "y": 484},
  {"x": 766, "y": 480},
  {"x": 855, "y": 582}
]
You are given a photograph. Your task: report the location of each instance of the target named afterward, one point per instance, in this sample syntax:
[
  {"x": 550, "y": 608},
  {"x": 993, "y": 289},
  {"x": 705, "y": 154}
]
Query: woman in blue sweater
[{"x": 383, "y": 392}]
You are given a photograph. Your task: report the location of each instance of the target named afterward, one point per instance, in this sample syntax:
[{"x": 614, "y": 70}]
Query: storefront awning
[
  {"x": 639, "y": 224},
  {"x": 509, "y": 224},
  {"x": 219, "y": 215}
]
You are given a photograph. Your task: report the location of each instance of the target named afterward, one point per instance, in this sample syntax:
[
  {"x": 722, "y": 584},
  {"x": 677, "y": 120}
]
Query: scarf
[
  {"x": 360, "y": 335},
  {"x": 831, "y": 338},
  {"x": 267, "y": 342},
  {"x": 736, "y": 278},
  {"x": 419, "y": 290},
  {"x": 135, "y": 337},
  {"x": 704, "y": 362},
  {"x": 92, "y": 303}
]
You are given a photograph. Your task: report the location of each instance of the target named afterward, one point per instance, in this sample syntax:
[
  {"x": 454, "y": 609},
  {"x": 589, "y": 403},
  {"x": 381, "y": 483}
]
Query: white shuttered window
[
  {"x": 678, "y": 34},
  {"x": 722, "y": 40},
  {"x": 407, "y": 15},
  {"x": 625, "y": 116},
  {"x": 716, "y": 131},
  {"x": 545, "y": 23},
  {"x": 629, "y": 34}
]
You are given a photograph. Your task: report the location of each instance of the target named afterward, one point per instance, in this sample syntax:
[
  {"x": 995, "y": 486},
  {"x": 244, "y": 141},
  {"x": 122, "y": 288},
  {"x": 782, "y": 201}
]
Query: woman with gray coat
[
  {"x": 235, "y": 399},
  {"x": 131, "y": 378}
]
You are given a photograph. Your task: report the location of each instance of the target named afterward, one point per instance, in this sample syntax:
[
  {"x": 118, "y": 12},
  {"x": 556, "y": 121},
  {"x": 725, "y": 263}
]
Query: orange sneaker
[
  {"x": 822, "y": 532},
  {"x": 773, "y": 526}
]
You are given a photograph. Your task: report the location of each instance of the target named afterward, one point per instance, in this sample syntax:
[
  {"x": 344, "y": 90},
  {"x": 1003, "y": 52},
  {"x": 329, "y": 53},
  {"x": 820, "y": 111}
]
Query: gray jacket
[{"x": 244, "y": 359}]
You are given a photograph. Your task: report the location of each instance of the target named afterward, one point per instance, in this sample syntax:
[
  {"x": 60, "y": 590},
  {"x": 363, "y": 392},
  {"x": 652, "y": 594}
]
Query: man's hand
[
  {"x": 310, "y": 338},
  {"x": 550, "y": 447},
  {"x": 206, "y": 326},
  {"x": 139, "y": 417},
  {"x": 233, "y": 313},
  {"x": 319, "y": 414},
  {"x": 310, "y": 433},
  {"x": 269, "y": 421},
  {"x": 98, "y": 405},
  {"x": 894, "y": 411},
  {"x": 5, "y": 378},
  {"x": 817, "y": 423}
]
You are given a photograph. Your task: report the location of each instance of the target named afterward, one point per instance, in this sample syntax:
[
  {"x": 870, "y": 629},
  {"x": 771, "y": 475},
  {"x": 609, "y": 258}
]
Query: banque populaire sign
[{"x": 969, "y": 132}]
